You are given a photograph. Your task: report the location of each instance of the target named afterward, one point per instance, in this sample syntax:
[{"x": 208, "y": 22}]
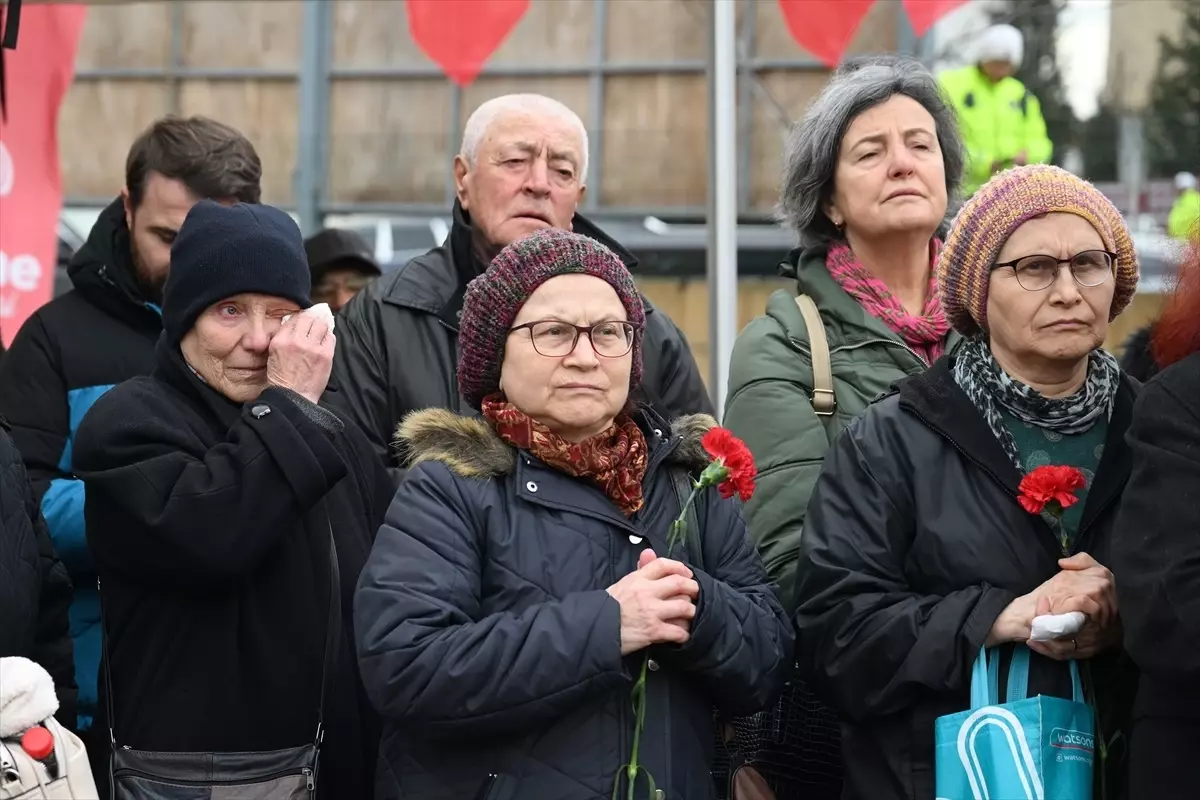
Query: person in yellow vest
[
  {"x": 1001, "y": 121},
  {"x": 1184, "y": 220}
]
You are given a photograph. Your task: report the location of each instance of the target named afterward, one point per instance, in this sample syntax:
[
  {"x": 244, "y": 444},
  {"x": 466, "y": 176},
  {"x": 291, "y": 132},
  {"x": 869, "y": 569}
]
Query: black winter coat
[
  {"x": 914, "y": 544},
  {"x": 209, "y": 522},
  {"x": 1137, "y": 357},
  {"x": 398, "y": 343},
  {"x": 68, "y": 353},
  {"x": 488, "y": 642},
  {"x": 35, "y": 592},
  {"x": 1156, "y": 560}
]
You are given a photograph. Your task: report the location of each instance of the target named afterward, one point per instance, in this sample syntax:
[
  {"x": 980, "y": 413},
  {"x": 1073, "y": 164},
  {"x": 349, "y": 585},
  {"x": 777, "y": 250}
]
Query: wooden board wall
[{"x": 390, "y": 139}]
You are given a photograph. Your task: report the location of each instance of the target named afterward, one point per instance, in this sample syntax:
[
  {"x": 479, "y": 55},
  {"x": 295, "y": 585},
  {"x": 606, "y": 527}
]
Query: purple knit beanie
[
  {"x": 1003, "y": 204},
  {"x": 494, "y": 298}
]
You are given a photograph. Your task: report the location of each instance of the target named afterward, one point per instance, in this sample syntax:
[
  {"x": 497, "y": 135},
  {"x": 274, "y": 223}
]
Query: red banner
[
  {"x": 923, "y": 13},
  {"x": 826, "y": 28},
  {"x": 461, "y": 35},
  {"x": 823, "y": 28},
  {"x": 36, "y": 76}
]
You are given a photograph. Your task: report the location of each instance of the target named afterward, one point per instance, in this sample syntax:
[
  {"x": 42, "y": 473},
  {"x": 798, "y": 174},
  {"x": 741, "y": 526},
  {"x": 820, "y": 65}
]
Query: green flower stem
[
  {"x": 679, "y": 526},
  {"x": 639, "y": 711},
  {"x": 713, "y": 474}
]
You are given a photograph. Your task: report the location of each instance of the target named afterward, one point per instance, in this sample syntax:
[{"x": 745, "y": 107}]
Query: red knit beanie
[{"x": 493, "y": 300}]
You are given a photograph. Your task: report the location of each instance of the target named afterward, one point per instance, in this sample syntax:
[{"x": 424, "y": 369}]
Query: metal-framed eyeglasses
[
  {"x": 554, "y": 338},
  {"x": 1038, "y": 272}
]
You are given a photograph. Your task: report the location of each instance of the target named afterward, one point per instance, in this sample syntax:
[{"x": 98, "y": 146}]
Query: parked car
[{"x": 69, "y": 241}]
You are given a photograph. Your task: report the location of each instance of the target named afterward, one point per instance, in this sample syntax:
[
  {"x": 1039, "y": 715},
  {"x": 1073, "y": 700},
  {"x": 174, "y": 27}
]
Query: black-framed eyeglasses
[
  {"x": 1037, "y": 272},
  {"x": 554, "y": 339}
]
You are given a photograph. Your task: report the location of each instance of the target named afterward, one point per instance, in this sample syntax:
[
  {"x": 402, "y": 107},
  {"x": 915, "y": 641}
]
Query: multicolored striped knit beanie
[
  {"x": 494, "y": 298},
  {"x": 1002, "y": 205}
]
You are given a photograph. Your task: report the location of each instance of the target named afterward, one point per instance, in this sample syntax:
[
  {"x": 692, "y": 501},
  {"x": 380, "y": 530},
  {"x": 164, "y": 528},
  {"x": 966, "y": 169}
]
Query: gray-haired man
[{"x": 522, "y": 167}]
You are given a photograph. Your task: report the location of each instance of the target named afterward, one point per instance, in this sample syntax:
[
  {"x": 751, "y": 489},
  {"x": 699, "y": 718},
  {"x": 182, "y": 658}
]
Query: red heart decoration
[
  {"x": 923, "y": 13},
  {"x": 824, "y": 28},
  {"x": 461, "y": 35}
]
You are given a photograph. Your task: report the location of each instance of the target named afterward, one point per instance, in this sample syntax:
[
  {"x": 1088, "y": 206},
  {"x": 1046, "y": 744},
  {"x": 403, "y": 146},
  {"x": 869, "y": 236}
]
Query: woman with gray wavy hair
[{"x": 871, "y": 177}]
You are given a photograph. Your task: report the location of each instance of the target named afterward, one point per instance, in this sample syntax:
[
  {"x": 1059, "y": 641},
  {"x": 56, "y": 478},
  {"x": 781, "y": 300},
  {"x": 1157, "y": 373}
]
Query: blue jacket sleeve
[
  {"x": 34, "y": 399},
  {"x": 741, "y": 638},
  {"x": 429, "y": 655}
]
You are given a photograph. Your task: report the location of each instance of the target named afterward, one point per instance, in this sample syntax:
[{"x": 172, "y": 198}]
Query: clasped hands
[
  {"x": 658, "y": 603},
  {"x": 1083, "y": 585}
]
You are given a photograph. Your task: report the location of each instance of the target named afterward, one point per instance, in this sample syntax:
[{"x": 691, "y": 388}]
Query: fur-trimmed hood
[{"x": 471, "y": 449}]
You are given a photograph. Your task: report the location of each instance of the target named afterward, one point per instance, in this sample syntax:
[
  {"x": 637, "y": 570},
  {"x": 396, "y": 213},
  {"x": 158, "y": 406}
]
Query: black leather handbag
[{"x": 287, "y": 774}]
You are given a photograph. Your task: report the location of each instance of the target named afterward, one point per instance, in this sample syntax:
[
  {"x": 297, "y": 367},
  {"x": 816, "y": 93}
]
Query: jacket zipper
[
  {"x": 858, "y": 345},
  {"x": 661, "y": 794},
  {"x": 305, "y": 771}
]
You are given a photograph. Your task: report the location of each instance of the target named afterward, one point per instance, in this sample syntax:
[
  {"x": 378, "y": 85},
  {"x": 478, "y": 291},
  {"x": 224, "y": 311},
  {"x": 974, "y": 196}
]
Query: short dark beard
[{"x": 149, "y": 286}]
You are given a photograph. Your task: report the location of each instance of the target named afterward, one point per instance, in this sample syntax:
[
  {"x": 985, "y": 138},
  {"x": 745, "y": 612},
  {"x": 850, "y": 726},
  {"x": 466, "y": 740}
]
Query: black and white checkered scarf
[{"x": 991, "y": 389}]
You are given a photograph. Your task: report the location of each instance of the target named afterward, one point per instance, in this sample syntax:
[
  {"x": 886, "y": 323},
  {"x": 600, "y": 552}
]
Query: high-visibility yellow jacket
[
  {"x": 998, "y": 121},
  {"x": 1184, "y": 221}
]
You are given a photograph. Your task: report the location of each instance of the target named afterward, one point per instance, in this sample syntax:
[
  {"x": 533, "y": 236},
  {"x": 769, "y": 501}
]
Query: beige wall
[{"x": 390, "y": 138}]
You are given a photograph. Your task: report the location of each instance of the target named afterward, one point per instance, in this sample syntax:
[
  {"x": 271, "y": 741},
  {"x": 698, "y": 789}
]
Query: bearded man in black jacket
[
  {"x": 81, "y": 344},
  {"x": 522, "y": 167}
]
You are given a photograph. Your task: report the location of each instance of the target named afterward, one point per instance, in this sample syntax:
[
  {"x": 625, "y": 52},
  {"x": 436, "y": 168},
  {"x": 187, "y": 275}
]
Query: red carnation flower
[
  {"x": 1050, "y": 484},
  {"x": 733, "y": 468}
]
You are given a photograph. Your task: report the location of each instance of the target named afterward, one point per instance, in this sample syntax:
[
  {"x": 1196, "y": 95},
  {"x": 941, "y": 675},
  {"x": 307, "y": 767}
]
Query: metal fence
[{"x": 316, "y": 73}]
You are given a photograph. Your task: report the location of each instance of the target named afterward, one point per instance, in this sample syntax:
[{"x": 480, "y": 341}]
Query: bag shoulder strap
[
  {"x": 333, "y": 633},
  {"x": 824, "y": 401}
]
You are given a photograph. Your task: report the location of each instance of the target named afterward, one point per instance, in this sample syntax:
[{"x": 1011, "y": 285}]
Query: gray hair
[
  {"x": 811, "y": 154},
  {"x": 535, "y": 104}
]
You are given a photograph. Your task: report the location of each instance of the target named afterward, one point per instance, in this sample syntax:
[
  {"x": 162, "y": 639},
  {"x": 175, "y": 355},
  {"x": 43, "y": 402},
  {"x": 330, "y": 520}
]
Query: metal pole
[
  {"x": 596, "y": 86},
  {"x": 722, "y": 198},
  {"x": 306, "y": 180},
  {"x": 177, "y": 10},
  {"x": 454, "y": 139},
  {"x": 746, "y": 102},
  {"x": 906, "y": 37}
]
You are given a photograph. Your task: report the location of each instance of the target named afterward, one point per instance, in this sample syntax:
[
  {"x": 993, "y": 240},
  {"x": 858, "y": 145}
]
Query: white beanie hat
[
  {"x": 1184, "y": 181},
  {"x": 1000, "y": 43}
]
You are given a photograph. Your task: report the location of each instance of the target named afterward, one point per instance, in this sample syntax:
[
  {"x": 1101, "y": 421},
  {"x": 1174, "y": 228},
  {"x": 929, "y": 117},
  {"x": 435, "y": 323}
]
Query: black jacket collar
[
  {"x": 436, "y": 282},
  {"x": 171, "y": 368},
  {"x": 936, "y": 399},
  {"x": 103, "y": 272}
]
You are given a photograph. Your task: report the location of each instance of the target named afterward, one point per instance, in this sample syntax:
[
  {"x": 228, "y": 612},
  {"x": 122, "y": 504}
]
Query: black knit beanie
[{"x": 222, "y": 251}]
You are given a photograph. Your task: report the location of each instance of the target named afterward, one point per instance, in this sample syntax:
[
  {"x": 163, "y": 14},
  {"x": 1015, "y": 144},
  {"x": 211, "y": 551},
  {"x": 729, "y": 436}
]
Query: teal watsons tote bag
[{"x": 1030, "y": 748}]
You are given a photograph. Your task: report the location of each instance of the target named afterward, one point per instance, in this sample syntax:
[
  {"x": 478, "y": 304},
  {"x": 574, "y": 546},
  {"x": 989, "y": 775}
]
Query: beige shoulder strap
[{"x": 823, "y": 399}]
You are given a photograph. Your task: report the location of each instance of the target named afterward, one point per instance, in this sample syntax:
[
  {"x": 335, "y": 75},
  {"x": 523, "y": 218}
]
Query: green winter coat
[{"x": 770, "y": 401}]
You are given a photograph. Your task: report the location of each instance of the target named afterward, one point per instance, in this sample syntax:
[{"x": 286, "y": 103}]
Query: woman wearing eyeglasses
[
  {"x": 917, "y": 553},
  {"x": 522, "y": 572}
]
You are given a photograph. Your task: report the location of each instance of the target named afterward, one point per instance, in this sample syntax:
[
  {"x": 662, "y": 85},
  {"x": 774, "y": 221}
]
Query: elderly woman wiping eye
[
  {"x": 214, "y": 488},
  {"x": 520, "y": 581},
  {"x": 917, "y": 552},
  {"x": 319, "y": 311}
]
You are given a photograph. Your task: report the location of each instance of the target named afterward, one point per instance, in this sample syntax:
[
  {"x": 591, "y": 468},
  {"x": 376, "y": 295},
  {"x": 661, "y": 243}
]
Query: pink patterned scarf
[{"x": 926, "y": 334}]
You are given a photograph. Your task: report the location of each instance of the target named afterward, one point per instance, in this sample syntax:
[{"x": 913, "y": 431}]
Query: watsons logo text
[{"x": 1072, "y": 740}]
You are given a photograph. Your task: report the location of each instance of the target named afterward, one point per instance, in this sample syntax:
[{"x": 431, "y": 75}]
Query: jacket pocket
[{"x": 497, "y": 787}]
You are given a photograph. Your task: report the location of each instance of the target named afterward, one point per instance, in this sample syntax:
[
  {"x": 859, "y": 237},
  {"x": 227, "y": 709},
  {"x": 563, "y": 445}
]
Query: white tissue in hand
[
  {"x": 1056, "y": 626},
  {"x": 320, "y": 310}
]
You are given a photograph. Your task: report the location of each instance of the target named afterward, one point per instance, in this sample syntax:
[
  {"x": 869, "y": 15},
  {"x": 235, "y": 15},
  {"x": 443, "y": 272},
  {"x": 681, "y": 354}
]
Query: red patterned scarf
[
  {"x": 926, "y": 333},
  {"x": 614, "y": 460}
]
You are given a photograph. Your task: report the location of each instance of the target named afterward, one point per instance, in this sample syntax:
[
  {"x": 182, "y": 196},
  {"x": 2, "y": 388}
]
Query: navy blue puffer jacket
[{"x": 488, "y": 642}]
